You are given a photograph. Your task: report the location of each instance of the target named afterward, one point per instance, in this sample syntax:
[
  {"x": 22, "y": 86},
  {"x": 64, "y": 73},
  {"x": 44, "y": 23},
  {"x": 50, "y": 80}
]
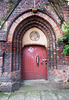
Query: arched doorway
[
  {"x": 19, "y": 27},
  {"x": 34, "y": 54}
]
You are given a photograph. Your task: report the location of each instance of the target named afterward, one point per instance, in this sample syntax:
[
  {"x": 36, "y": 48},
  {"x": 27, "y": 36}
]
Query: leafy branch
[
  {"x": 65, "y": 40},
  {"x": 43, "y": 7}
]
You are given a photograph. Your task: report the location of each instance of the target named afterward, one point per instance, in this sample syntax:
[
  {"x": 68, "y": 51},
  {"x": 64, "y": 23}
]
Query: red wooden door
[{"x": 33, "y": 62}]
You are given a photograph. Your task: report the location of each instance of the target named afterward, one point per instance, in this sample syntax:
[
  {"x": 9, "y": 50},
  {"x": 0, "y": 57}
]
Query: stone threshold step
[{"x": 32, "y": 82}]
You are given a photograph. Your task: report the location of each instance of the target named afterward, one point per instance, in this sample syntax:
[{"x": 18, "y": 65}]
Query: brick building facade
[{"x": 23, "y": 18}]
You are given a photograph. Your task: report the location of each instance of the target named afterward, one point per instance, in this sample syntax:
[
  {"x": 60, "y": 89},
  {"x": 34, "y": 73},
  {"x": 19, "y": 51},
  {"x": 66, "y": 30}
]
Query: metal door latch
[
  {"x": 44, "y": 60},
  {"x": 37, "y": 59}
]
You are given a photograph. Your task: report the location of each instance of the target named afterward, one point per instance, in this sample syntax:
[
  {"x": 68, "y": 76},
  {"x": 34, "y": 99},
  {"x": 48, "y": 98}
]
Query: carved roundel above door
[{"x": 34, "y": 36}]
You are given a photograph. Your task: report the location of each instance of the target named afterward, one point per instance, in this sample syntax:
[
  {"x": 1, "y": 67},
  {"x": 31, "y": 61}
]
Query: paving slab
[
  {"x": 36, "y": 90},
  {"x": 30, "y": 85},
  {"x": 4, "y": 96},
  {"x": 62, "y": 94},
  {"x": 48, "y": 95},
  {"x": 17, "y": 96},
  {"x": 34, "y": 95}
]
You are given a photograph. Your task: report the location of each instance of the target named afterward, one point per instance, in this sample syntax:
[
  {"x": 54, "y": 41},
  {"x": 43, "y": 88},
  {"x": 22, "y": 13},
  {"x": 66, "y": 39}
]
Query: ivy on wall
[{"x": 65, "y": 40}]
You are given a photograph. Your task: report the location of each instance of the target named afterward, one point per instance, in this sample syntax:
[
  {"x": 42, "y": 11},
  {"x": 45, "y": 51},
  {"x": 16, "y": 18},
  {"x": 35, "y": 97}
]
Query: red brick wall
[
  {"x": 66, "y": 13},
  {"x": 17, "y": 25}
]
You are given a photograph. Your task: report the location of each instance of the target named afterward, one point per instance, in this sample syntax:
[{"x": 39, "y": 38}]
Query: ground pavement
[{"x": 36, "y": 90}]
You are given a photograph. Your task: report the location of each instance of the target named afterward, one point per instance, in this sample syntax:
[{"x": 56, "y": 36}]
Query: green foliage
[
  {"x": 64, "y": 1},
  {"x": 43, "y": 7},
  {"x": 57, "y": 1},
  {"x": 66, "y": 50},
  {"x": 1, "y": 20},
  {"x": 65, "y": 39},
  {"x": 9, "y": 0},
  {"x": 12, "y": 1},
  {"x": 10, "y": 6},
  {"x": 67, "y": 27},
  {"x": 59, "y": 40},
  {"x": 65, "y": 36}
]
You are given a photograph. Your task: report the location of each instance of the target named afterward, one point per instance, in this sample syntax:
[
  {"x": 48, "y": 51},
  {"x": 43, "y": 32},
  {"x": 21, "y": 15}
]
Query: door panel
[{"x": 30, "y": 68}]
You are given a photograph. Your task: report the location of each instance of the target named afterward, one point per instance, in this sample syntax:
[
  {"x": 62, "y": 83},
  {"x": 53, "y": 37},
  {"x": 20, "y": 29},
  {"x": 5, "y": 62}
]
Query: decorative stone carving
[{"x": 34, "y": 36}]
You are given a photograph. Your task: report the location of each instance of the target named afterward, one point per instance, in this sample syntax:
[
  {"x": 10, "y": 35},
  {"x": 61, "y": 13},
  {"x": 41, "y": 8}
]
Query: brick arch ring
[
  {"x": 29, "y": 13},
  {"x": 12, "y": 33}
]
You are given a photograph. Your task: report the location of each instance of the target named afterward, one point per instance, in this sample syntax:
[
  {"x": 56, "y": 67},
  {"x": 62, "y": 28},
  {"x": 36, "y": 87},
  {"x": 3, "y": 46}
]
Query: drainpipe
[{"x": 8, "y": 15}]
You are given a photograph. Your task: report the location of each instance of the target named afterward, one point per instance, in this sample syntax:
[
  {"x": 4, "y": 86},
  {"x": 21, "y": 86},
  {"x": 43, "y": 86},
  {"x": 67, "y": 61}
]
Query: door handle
[
  {"x": 37, "y": 59},
  {"x": 44, "y": 60}
]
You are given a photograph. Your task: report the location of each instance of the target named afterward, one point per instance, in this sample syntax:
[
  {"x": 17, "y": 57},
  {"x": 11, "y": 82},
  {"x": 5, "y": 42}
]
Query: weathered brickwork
[
  {"x": 22, "y": 19},
  {"x": 1, "y": 64},
  {"x": 66, "y": 13},
  {"x": 23, "y": 6}
]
